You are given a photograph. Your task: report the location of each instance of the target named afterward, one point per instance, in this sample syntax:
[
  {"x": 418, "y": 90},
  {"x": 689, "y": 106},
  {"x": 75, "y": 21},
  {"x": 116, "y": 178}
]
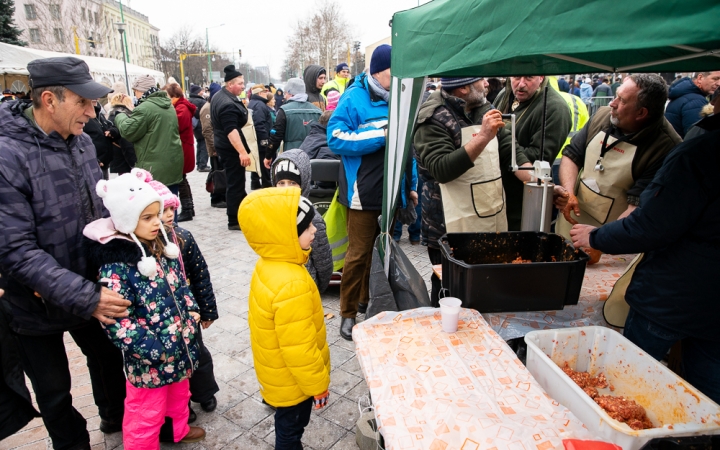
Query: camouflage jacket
[{"x": 439, "y": 155}]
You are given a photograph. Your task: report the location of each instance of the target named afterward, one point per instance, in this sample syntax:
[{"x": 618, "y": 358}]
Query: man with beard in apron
[
  {"x": 459, "y": 164},
  {"x": 611, "y": 161}
]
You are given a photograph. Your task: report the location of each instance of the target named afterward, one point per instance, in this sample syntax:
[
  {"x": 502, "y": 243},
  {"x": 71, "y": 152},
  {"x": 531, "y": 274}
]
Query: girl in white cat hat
[{"x": 135, "y": 259}]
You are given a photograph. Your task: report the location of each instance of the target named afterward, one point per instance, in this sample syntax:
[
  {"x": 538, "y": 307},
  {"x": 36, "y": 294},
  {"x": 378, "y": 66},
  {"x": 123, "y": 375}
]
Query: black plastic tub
[{"x": 478, "y": 269}]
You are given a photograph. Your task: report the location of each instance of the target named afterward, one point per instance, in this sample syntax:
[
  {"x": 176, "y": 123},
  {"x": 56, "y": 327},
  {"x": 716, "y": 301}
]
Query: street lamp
[
  {"x": 121, "y": 29},
  {"x": 207, "y": 50}
]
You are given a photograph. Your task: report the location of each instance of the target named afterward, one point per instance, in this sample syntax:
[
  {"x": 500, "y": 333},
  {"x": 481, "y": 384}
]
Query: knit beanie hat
[
  {"x": 305, "y": 214},
  {"x": 231, "y": 73},
  {"x": 286, "y": 170},
  {"x": 333, "y": 97},
  {"x": 214, "y": 89},
  {"x": 453, "y": 83},
  {"x": 126, "y": 197},
  {"x": 295, "y": 86},
  {"x": 195, "y": 89},
  {"x": 380, "y": 59},
  {"x": 341, "y": 66},
  {"x": 169, "y": 199},
  {"x": 143, "y": 83}
]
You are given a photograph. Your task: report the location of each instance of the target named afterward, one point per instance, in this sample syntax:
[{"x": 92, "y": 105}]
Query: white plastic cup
[{"x": 450, "y": 312}]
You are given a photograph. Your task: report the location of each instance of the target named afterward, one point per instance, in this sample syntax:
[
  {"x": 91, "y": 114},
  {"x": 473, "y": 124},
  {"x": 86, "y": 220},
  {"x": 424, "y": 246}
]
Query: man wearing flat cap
[
  {"x": 459, "y": 164},
  {"x": 48, "y": 173},
  {"x": 228, "y": 115}
]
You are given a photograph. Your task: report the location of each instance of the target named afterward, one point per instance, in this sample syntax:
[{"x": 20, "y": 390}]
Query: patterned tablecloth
[
  {"x": 599, "y": 281},
  {"x": 464, "y": 390}
]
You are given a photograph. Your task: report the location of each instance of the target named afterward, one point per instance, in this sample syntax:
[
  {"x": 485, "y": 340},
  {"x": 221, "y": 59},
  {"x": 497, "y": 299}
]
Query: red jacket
[{"x": 185, "y": 111}]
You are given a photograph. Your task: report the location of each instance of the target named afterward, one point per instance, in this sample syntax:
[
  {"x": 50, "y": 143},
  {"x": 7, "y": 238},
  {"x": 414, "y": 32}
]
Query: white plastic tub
[{"x": 673, "y": 405}]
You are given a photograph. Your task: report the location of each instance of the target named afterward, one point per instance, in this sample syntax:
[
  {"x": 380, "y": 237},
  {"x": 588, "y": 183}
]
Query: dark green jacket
[
  {"x": 528, "y": 134},
  {"x": 439, "y": 155},
  {"x": 299, "y": 116},
  {"x": 153, "y": 129}
]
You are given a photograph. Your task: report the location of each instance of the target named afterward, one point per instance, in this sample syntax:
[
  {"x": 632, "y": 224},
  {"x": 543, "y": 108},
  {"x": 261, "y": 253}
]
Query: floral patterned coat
[{"x": 158, "y": 336}]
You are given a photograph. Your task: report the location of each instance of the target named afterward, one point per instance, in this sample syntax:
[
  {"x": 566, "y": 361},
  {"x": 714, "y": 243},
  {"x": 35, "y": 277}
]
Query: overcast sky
[{"x": 261, "y": 28}]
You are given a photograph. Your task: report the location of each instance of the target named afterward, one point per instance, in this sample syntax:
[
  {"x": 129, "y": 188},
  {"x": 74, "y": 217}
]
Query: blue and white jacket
[{"x": 356, "y": 132}]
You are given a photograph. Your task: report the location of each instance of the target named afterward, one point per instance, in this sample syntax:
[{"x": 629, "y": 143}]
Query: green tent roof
[{"x": 544, "y": 37}]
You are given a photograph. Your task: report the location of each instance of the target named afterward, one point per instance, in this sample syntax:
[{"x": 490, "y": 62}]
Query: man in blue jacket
[
  {"x": 357, "y": 132},
  {"x": 687, "y": 99},
  {"x": 48, "y": 173},
  {"x": 673, "y": 294}
]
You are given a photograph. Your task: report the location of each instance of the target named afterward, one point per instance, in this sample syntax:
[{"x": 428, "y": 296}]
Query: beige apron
[
  {"x": 597, "y": 209},
  {"x": 248, "y": 130},
  {"x": 475, "y": 201},
  {"x": 615, "y": 308}
]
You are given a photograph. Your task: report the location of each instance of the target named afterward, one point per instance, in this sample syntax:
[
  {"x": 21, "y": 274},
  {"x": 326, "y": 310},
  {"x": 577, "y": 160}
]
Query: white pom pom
[
  {"x": 147, "y": 266},
  {"x": 172, "y": 251}
]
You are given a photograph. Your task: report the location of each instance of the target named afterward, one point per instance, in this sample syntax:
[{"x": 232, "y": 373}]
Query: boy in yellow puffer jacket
[{"x": 287, "y": 323}]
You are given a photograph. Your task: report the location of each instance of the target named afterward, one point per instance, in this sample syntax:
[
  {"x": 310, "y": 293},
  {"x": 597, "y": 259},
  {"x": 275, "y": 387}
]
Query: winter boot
[{"x": 186, "y": 214}]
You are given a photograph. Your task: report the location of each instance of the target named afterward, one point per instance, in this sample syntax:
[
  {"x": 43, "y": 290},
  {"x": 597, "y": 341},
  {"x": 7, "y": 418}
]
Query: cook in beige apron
[
  {"x": 602, "y": 184},
  {"x": 475, "y": 201}
]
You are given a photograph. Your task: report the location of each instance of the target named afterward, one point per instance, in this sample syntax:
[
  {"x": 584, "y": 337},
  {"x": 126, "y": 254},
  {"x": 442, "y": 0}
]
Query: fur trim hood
[{"x": 119, "y": 250}]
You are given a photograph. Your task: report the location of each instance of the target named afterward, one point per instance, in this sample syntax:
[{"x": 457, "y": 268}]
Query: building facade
[
  {"x": 143, "y": 44},
  {"x": 87, "y": 27}
]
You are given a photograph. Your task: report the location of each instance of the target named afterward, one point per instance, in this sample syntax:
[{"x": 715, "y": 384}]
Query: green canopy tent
[{"x": 456, "y": 38}]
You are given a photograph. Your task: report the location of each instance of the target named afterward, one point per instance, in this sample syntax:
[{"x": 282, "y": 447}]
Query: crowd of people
[{"x": 103, "y": 257}]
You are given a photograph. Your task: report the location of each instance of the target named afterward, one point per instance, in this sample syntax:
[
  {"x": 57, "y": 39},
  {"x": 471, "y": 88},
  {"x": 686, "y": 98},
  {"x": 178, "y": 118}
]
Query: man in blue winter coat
[
  {"x": 48, "y": 173},
  {"x": 673, "y": 294},
  {"x": 687, "y": 99},
  {"x": 357, "y": 132}
]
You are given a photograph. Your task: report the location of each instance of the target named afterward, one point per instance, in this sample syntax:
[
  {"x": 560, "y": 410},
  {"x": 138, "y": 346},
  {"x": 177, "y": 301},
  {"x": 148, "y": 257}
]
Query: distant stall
[{"x": 14, "y": 61}]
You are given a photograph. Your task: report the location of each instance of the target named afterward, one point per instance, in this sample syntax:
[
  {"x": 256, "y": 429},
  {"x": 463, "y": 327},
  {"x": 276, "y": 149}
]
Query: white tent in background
[{"x": 14, "y": 61}]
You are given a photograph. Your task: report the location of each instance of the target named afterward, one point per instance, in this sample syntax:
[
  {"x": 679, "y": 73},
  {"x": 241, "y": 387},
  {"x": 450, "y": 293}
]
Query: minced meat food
[{"x": 620, "y": 408}]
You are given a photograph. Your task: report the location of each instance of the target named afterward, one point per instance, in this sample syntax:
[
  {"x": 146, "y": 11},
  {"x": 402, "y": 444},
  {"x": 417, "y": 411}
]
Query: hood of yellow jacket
[{"x": 268, "y": 219}]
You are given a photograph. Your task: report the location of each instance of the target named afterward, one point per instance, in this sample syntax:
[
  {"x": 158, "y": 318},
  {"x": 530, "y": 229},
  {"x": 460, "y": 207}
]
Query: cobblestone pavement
[{"x": 240, "y": 421}]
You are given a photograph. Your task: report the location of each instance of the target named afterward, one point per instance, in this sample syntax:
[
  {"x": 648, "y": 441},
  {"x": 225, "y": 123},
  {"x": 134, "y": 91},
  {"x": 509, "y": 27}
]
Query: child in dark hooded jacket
[
  {"x": 292, "y": 169},
  {"x": 203, "y": 386}
]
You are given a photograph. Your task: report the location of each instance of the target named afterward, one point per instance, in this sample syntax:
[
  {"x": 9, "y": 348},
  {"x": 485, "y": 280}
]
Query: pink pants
[{"x": 145, "y": 412}]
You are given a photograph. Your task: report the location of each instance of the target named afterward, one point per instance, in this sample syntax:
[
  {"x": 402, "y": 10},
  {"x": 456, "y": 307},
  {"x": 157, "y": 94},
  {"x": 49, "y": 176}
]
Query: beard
[
  {"x": 614, "y": 120},
  {"x": 475, "y": 98}
]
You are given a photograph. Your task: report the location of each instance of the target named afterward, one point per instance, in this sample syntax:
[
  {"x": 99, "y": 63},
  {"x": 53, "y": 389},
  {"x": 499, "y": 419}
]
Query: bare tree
[
  {"x": 322, "y": 39},
  {"x": 195, "y": 67}
]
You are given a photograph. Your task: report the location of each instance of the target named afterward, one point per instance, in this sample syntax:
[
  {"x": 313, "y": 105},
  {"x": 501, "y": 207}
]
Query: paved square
[{"x": 241, "y": 421}]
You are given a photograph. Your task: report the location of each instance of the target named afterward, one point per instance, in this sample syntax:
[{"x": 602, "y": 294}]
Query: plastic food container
[
  {"x": 477, "y": 268},
  {"x": 677, "y": 408}
]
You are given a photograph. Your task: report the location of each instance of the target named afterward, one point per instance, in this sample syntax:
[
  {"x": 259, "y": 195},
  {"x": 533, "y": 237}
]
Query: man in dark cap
[
  {"x": 357, "y": 131},
  {"x": 456, "y": 148},
  {"x": 48, "y": 173},
  {"x": 342, "y": 78},
  {"x": 228, "y": 115}
]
